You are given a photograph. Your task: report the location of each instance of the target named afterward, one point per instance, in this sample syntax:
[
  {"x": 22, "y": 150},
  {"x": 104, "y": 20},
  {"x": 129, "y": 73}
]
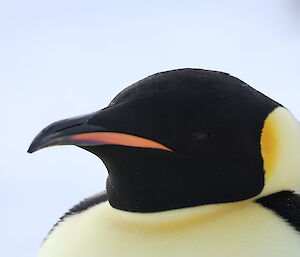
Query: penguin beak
[{"x": 77, "y": 131}]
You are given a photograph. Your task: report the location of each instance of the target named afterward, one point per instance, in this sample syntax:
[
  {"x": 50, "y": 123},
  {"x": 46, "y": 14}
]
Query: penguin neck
[{"x": 175, "y": 218}]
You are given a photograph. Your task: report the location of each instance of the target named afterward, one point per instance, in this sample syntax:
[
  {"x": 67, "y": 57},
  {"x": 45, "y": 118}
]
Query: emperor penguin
[{"x": 199, "y": 164}]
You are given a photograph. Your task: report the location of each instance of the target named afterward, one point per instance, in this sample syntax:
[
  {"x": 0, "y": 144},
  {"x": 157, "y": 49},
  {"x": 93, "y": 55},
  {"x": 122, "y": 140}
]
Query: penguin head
[{"x": 185, "y": 138}]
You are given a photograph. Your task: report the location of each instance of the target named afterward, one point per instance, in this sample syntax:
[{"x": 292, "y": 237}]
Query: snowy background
[{"x": 64, "y": 58}]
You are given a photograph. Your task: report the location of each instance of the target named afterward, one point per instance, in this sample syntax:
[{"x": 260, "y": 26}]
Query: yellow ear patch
[{"x": 270, "y": 144}]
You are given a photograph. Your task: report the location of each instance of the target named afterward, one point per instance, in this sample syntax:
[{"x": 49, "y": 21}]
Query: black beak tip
[
  {"x": 39, "y": 142},
  {"x": 30, "y": 150},
  {"x": 58, "y": 132},
  {"x": 33, "y": 147}
]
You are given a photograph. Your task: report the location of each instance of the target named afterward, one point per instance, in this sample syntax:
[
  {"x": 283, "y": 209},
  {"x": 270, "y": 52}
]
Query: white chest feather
[{"x": 248, "y": 230}]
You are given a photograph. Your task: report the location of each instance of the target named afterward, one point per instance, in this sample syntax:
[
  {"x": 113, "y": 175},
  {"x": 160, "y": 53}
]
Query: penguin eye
[{"x": 204, "y": 135}]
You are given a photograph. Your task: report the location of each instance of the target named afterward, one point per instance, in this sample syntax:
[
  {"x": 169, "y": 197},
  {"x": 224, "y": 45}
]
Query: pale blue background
[{"x": 63, "y": 58}]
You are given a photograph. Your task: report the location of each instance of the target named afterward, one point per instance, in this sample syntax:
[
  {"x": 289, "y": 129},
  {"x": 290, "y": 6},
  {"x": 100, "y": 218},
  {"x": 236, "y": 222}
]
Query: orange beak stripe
[{"x": 115, "y": 138}]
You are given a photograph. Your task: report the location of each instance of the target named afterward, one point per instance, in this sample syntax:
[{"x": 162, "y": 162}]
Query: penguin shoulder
[
  {"x": 285, "y": 204},
  {"x": 82, "y": 206}
]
